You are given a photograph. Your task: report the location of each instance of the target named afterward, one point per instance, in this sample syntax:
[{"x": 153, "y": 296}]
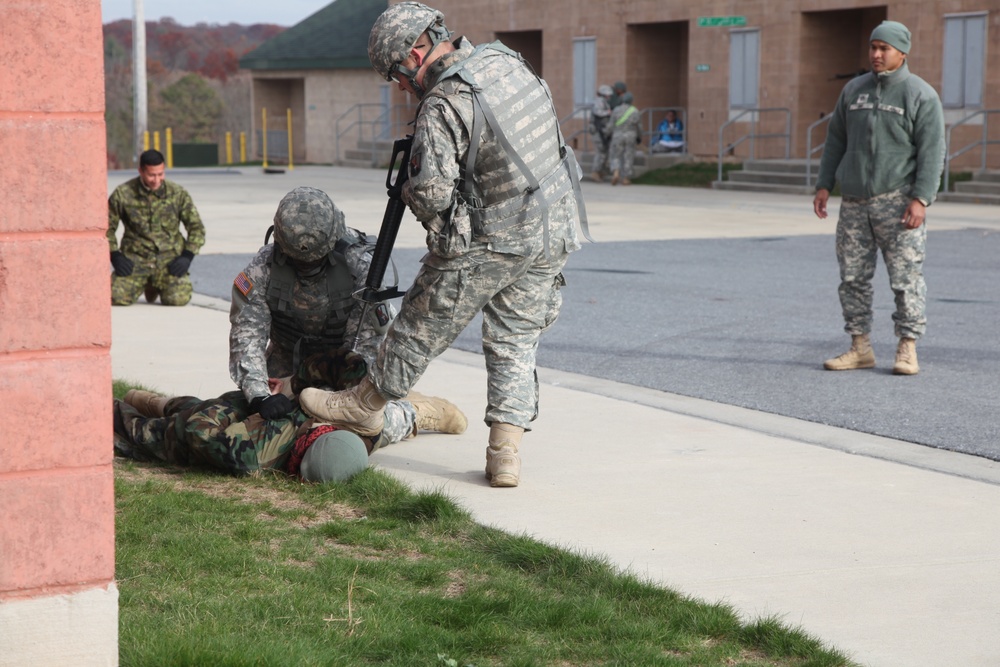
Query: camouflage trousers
[
  {"x": 221, "y": 433},
  {"x": 865, "y": 227},
  {"x": 519, "y": 297},
  {"x": 600, "y": 163},
  {"x": 623, "y": 153},
  {"x": 154, "y": 280}
]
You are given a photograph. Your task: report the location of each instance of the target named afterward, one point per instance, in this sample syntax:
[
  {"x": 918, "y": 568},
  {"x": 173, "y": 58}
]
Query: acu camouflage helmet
[
  {"x": 394, "y": 33},
  {"x": 307, "y": 225}
]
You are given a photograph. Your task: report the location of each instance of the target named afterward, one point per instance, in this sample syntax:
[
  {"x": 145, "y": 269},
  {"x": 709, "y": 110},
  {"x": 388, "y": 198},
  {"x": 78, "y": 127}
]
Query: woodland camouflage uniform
[{"x": 223, "y": 433}]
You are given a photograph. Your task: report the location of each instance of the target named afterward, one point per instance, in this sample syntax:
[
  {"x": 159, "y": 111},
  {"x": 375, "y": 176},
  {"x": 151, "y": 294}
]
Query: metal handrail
[
  {"x": 753, "y": 136},
  {"x": 809, "y": 147},
  {"x": 984, "y": 141},
  {"x": 366, "y": 125}
]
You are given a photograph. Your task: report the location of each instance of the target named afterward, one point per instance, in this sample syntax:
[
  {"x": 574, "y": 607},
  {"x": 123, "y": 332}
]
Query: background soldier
[
  {"x": 886, "y": 146},
  {"x": 154, "y": 256},
  {"x": 598, "y": 122},
  {"x": 295, "y": 299},
  {"x": 498, "y": 191},
  {"x": 624, "y": 129}
]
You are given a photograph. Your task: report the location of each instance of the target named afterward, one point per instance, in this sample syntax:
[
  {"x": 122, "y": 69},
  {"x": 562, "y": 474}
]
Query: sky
[{"x": 189, "y": 12}]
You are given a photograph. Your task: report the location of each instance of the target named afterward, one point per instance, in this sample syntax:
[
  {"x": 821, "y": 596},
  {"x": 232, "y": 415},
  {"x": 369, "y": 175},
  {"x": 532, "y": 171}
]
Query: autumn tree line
[{"x": 194, "y": 84}]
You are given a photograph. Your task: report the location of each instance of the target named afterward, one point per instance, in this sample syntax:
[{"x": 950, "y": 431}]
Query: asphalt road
[{"x": 748, "y": 322}]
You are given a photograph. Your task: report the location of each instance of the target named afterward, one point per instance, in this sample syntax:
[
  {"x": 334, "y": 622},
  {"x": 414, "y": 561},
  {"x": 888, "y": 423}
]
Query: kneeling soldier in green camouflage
[{"x": 154, "y": 257}]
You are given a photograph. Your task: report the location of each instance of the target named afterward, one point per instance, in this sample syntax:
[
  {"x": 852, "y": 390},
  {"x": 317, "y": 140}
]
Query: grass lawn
[
  {"x": 687, "y": 174},
  {"x": 265, "y": 571}
]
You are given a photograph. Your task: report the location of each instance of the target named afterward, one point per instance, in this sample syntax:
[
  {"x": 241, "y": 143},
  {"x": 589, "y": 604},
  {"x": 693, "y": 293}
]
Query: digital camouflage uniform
[
  {"x": 885, "y": 145},
  {"x": 256, "y": 352},
  {"x": 494, "y": 248},
  {"x": 152, "y": 239},
  {"x": 624, "y": 129},
  {"x": 600, "y": 117},
  {"x": 223, "y": 433}
]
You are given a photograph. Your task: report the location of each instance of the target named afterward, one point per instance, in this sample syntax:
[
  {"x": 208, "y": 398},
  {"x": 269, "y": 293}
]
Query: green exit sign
[
  {"x": 702, "y": 68},
  {"x": 721, "y": 21}
]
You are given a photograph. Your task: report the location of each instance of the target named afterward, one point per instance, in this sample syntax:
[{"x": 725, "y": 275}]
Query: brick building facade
[
  {"x": 58, "y": 599},
  {"x": 717, "y": 58}
]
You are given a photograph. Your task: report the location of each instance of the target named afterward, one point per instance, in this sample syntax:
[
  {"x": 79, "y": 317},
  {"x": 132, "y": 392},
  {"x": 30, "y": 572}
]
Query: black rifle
[{"x": 391, "y": 220}]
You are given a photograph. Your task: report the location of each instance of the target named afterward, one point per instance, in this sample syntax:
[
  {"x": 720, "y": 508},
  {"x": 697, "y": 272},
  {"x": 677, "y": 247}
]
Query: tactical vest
[
  {"x": 518, "y": 163},
  {"x": 288, "y": 323}
]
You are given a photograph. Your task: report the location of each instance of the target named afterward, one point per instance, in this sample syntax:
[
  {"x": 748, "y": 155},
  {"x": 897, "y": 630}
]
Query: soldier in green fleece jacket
[{"x": 885, "y": 146}]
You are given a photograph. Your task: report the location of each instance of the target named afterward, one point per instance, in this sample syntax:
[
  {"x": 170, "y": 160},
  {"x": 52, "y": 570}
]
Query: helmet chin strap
[{"x": 436, "y": 34}]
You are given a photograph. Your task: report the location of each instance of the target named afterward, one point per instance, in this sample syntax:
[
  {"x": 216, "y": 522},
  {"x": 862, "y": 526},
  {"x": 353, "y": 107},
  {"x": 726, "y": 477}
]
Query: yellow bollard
[
  {"x": 156, "y": 140},
  {"x": 145, "y": 140},
  {"x": 263, "y": 134},
  {"x": 243, "y": 147},
  {"x": 229, "y": 147},
  {"x": 170, "y": 148},
  {"x": 289, "y": 114}
]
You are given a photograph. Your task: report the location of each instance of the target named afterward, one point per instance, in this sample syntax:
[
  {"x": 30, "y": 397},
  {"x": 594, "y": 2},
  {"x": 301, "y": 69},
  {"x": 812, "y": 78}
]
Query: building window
[
  {"x": 584, "y": 72},
  {"x": 964, "y": 61},
  {"x": 744, "y": 68}
]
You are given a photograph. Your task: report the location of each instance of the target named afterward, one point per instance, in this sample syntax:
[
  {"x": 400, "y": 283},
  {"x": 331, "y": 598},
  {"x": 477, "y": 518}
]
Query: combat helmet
[
  {"x": 307, "y": 225},
  {"x": 334, "y": 457},
  {"x": 394, "y": 34},
  {"x": 605, "y": 91}
]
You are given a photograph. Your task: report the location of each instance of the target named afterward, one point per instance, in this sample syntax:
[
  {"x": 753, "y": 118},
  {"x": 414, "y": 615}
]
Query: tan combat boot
[
  {"x": 906, "y": 357},
  {"x": 146, "y": 402},
  {"x": 596, "y": 177},
  {"x": 859, "y": 356},
  {"x": 359, "y": 409},
  {"x": 436, "y": 414},
  {"x": 614, "y": 178},
  {"x": 626, "y": 181},
  {"x": 503, "y": 465}
]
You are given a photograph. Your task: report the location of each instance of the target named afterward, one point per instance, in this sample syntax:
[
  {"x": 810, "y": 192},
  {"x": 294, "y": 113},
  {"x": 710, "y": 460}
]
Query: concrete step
[
  {"x": 790, "y": 166},
  {"x": 383, "y": 145},
  {"x": 773, "y": 177},
  {"x": 969, "y": 198},
  {"x": 977, "y": 187},
  {"x": 364, "y": 163},
  {"x": 356, "y": 155},
  {"x": 987, "y": 177},
  {"x": 762, "y": 187}
]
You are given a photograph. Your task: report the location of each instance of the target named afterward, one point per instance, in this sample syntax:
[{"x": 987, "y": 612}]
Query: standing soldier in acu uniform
[
  {"x": 497, "y": 189},
  {"x": 154, "y": 257},
  {"x": 886, "y": 147}
]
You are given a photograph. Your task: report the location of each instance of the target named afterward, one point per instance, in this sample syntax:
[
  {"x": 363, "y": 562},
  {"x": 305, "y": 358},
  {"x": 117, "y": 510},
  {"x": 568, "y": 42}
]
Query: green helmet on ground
[
  {"x": 334, "y": 457},
  {"x": 307, "y": 225},
  {"x": 394, "y": 33}
]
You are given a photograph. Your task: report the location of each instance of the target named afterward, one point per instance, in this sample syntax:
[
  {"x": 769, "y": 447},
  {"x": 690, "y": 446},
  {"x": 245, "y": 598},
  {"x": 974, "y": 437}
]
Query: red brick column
[{"x": 58, "y": 600}]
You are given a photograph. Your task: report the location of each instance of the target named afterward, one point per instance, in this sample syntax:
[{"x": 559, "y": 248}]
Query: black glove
[
  {"x": 274, "y": 406},
  {"x": 123, "y": 265},
  {"x": 180, "y": 265}
]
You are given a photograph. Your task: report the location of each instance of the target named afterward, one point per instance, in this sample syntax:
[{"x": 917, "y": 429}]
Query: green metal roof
[{"x": 335, "y": 37}]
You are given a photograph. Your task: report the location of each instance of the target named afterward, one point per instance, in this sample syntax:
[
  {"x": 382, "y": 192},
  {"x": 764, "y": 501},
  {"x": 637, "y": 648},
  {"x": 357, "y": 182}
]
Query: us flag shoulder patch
[{"x": 243, "y": 283}]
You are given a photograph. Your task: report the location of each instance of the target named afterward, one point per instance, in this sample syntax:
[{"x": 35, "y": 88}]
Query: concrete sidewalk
[{"x": 879, "y": 547}]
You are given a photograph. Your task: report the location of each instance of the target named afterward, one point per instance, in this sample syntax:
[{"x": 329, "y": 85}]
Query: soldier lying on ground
[{"x": 226, "y": 434}]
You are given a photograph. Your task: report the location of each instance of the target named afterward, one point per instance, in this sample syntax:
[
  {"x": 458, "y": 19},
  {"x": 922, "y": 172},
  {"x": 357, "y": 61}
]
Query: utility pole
[{"x": 139, "y": 106}]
